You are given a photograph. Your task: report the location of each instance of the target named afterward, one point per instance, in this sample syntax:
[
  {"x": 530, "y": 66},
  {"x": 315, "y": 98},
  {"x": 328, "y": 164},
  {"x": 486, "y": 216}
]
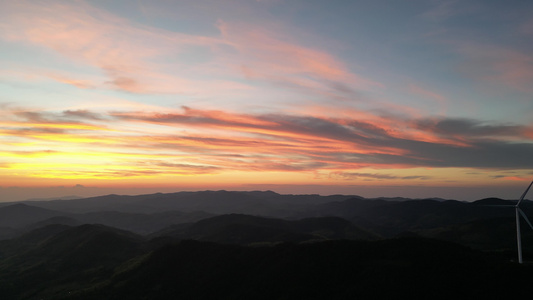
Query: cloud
[
  {"x": 126, "y": 52},
  {"x": 444, "y": 10},
  {"x": 455, "y": 142},
  {"x": 130, "y": 55},
  {"x": 82, "y": 114},
  {"x": 527, "y": 27},
  {"x": 441, "y": 10},
  {"x": 420, "y": 91},
  {"x": 79, "y": 83},
  {"x": 266, "y": 53},
  {"x": 180, "y": 168},
  {"x": 273, "y": 57},
  {"x": 481, "y": 154},
  {"x": 42, "y": 120},
  {"x": 194, "y": 141},
  {"x": 471, "y": 128},
  {"x": 497, "y": 64},
  {"x": 125, "y": 83},
  {"x": 372, "y": 176}
]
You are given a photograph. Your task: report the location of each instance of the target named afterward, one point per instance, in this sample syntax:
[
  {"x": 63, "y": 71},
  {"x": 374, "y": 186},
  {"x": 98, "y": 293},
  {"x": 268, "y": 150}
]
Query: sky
[{"x": 414, "y": 98}]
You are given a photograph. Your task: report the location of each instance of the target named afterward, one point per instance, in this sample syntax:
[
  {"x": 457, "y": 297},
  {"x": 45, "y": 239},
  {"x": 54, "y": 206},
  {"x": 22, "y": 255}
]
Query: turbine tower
[{"x": 519, "y": 212}]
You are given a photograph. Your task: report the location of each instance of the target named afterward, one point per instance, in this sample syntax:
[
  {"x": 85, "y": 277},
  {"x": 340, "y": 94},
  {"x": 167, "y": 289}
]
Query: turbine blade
[
  {"x": 524, "y": 194},
  {"x": 525, "y": 218}
]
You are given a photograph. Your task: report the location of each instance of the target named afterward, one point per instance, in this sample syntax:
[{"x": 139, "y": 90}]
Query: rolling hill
[
  {"x": 333, "y": 247},
  {"x": 246, "y": 229}
]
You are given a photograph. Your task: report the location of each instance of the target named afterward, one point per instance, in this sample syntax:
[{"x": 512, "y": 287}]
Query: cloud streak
[
  {"x": 140, "y": 59},
  {"x": 289, "y": 92},
  {"x": 214, "y": 142},
  {"x": 496, "y": 64},
  {"x": 92, "y": 36},
  {"x": 371, "y": 176}
]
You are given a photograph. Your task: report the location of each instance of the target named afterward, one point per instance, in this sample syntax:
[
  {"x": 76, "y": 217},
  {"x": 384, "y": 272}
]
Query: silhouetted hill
[
  {"x": 111, "y": 202},
  {"x": 239, "y": 229},
  {"x": 410, "y": 268},
  {"x": 386, "y": 218},
  {"x": 285, "y": 257},
  {"x": 56, "y": 259},
  {"x": 71, "y": 197},
  {"x": 8, "y": 232},
  {"x": 20, "y": 214},
  {"x": 486, "y": 234},
  {"x": 23, "y": 218},
  {"x": 391, "y": 218},
  {"x": 87, "y": 244},
  {"x": 99, "y": 262},
  {"x": 493, "y": 201},
  {"x": 81, "y": 244},
  {"x": 41, "y": 234},
  {"x": 332, "y": 228},
  {"x": 62, "y": 220},
  {"x": 215, "y": 202},
  {"x": 141, "y": 223},
  {"x": 30, "y": 240},
  {"x": 246, "y": 229}
]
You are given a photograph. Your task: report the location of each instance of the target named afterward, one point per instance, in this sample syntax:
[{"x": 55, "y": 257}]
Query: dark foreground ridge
[{"x": 99, "y": 262}]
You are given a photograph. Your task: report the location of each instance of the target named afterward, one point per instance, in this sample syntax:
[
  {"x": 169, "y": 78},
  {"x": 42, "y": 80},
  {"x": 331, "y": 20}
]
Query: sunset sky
[{"x": 376, "y": 98}]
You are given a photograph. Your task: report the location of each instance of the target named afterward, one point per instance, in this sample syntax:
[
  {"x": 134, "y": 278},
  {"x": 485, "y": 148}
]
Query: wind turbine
[{"x": 519, "y": 212}]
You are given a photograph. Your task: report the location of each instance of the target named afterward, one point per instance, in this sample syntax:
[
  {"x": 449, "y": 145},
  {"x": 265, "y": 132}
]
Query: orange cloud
[
  {"x": 79, "y": 83},
  {"x": 192, "y": 141}
]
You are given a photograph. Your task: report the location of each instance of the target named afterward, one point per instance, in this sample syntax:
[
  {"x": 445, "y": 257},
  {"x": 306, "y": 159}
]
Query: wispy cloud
[
  {"x": 527, "y": 27},
  {"x": 373, "y": 176},
  {"x": 497, "y": 64},
  {"x": 195, "y": 141},
  {"x": 275, "y": 58},
  {"x": 239, "y": 95},
  {"x": 79, "y": 83},
  {"x": 444, "y": 10},
  {"x": 125, "y": 52},
  {"x": 441, "y": 10},
  {"x": 136, "y": 58},
  {"x": 424, "y": 92}
]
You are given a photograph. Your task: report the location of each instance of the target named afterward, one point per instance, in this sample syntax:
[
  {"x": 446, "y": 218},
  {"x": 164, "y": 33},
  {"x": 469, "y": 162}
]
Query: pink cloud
[
  {"x": 418, "y": 90},
  {"x": 126, "y": 53},
  {"x": 267, "y": 55},
  {"x": 498, "y": 64},
  {"x": 79, "y": 83},
  {"x": 195, "y": 141},
  {"x": 140, "y": 59},
  {"x": 527, "y": 27}
]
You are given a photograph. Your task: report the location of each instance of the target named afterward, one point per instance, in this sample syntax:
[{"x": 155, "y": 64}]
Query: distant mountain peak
[
  {"x": 22, "y": 206},
  {"x": 493, "y": 201},
  {"x": 17, "y": 205},
  {"x": 21, "y": 214},
  {"x": 71, "y": 197}
]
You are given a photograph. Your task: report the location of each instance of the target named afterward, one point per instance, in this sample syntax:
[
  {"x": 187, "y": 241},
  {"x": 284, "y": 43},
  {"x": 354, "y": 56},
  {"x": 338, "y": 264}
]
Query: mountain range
[
  {"x": 151, "y": 213},
  {"x": 258, "y": 245}
]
